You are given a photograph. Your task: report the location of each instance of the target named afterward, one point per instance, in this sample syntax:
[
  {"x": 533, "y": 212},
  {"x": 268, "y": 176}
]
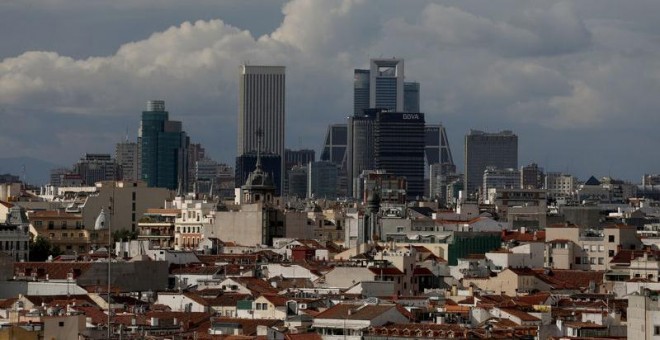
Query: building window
[
  {"x": 656, "y": 330},
  {"x": 610, "y": 239},
  {"x": 601, "y": 248},
  {"x": 601, "y": 260},
  {"x": 578, "y": 260},
  {"x": 610, "y": 253},
  {"x": 592, "y": 260}
]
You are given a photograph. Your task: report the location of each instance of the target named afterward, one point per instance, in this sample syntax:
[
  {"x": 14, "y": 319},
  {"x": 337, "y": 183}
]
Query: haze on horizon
[{"x": 576, "y": 80}]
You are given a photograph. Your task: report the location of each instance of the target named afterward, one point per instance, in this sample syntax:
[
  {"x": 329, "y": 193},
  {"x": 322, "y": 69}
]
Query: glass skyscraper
[
  {"x": 386, "y": 84},
  {"x": 484, "y": 150},
  {"x": 399, "y": 148},
  {"x": 164, "y": 148},
  {"x": 411, "y": 97}
]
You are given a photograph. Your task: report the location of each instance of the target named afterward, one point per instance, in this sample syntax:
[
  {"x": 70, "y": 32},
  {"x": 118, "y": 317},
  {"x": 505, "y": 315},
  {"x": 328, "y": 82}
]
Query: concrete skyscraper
[
  {"x": 164, "y": 148},
  {"x": 261, "y": 107},
  {"x": 482, "y": 150},
  {"x": 261, "y": 112}
]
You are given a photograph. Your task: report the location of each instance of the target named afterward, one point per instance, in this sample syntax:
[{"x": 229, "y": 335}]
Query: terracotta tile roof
[
  {"x": 537, "y": 236},
  {"x": 534, "y": 299},
  {"x": 6, "y": 204},
  {"x": 54, "y": 270},
  {"x": 256, "y": 286},
  {"x": 523, "y": 316},
  {"x": 7, "y": 303},
  {"x": 61, "y": 300},
  {"x": 624, "y": 256},
  {"x": 570, "y": 279},
  {"x": 276, "y": 300},
  {"x": 227, "y": 300},
  {"x": 355, "y": 312},
  {"x": 195, "y": 297}
]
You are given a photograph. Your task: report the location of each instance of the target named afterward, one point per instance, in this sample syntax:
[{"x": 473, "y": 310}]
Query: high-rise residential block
[
  {"x": 164, "y": 148},
  {"x": 399, "y": 148},
  {"x": 484, "y": 149}
]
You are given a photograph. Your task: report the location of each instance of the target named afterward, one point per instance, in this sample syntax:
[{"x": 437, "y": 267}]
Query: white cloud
[{"x": 535, "y": 66}]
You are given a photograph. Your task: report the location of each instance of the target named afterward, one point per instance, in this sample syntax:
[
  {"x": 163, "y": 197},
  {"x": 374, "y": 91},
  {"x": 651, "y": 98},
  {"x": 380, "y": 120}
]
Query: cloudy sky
[{"x": 578, "y": 81}]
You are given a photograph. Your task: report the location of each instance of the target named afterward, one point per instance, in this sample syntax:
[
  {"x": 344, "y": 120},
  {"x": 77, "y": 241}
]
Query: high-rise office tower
[
  {"x": 411, "y": 97},
  {"x": 386, "y": 84},
  {"x": 334, "y": 148},
  {"x": 196, "y": 152},
  {"x": 164, "y": 148},
  {"x": 484, "y": 149},
  {"x": 322, "y": 180},
  {"x": 298, "y": 157},
  {"x": 360, "y": 91},
  {"x": 436, "y": 149},
  {"x": 261, "y": 107},
  {"x": 297, "y": 179},
  {"x": 360, "y": 152},
  {"x": 127, "y": 157},
  {"x": 294, "y": 158},
  {"x": 95, "y": 167},
  {"x": 439, "y": 160},
  {"x": 399, "y": 148}
]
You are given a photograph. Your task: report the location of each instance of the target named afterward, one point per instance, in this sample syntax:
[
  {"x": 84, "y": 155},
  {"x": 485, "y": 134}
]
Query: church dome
[{"x": 101, "y": 221}]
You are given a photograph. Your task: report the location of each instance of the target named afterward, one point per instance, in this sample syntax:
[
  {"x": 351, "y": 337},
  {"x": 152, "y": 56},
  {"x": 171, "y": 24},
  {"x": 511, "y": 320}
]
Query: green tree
[
  {"x": 124, "y": 234},
  {"x": 41, "y": 248}
]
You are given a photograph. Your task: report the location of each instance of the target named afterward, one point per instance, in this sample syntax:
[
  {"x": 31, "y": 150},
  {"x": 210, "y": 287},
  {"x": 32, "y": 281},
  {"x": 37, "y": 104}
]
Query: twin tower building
[{"x": 386, "y": 132}]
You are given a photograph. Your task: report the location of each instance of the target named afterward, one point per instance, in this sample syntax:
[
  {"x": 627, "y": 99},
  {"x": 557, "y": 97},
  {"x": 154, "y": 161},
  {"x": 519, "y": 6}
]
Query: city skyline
[{"x": 565, "y": 77}]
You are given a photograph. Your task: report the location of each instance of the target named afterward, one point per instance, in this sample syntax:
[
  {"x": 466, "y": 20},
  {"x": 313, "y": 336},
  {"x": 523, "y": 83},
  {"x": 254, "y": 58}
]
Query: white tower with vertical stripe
[{"x": 261, "y": 106}]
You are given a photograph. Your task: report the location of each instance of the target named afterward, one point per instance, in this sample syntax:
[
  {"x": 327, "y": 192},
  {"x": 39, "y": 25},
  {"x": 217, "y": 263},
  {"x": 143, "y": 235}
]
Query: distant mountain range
[{"x": 37, "y": 171}]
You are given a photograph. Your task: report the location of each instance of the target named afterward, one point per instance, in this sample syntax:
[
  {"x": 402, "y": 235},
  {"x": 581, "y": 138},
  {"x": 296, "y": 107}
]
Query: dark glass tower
[
  {"x": 164, "y": 148},
  {"x": 411, "y": 97},
  {"x": 360, "y": 91},
  {"x": 399, "y": 148},
  {"x": 484, "y": 149}
]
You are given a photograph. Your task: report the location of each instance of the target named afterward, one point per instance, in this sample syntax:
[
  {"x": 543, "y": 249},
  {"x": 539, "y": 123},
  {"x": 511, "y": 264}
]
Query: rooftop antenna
[
  {"x": 127, "y": 134},
  {"x": 24, "y": 175},
  {"x": 259, "y": 133}
]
